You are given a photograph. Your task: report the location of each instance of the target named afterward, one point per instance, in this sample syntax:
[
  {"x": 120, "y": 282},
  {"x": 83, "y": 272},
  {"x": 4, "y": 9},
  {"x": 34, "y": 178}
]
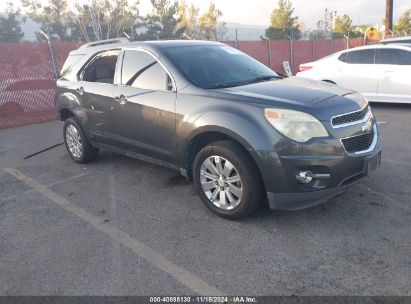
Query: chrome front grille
[
  {"x": 361, "y": 144},
  {"x": 351, "y": 118}
]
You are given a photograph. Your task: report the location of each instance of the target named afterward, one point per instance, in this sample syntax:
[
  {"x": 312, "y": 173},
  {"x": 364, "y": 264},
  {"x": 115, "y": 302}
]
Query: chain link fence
[{"x": 28, "y": 71}]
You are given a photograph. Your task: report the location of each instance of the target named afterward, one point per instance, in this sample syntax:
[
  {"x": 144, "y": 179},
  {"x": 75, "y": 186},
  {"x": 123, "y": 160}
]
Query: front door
[
  {"x": 395, "y": 85},
  {"x": 358, "y": 72},
  {"x": 142, "y": 118}
]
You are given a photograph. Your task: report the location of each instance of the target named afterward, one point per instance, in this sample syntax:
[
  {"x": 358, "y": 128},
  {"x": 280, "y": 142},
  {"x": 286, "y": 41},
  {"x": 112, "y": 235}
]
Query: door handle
[
  {"x": 121, "y": 99},
  {"x": 80, "y": 90}
]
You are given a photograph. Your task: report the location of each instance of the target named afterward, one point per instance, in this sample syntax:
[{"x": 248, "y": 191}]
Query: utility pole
[{"x": 388, "y": 15}]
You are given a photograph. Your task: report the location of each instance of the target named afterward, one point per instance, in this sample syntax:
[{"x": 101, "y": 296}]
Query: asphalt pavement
[{"x": 120, "y": 226}]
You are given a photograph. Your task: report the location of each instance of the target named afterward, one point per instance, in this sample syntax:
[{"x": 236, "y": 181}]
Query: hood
[{"x": 320, "y": 99}]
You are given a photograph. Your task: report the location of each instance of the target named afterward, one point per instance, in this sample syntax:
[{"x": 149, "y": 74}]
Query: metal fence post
[
  {"x": 331, "y": 45},
  {"x": 269, "y": 49},
  {"x": 54, "y": 64},
  {"x": 269, "y": 53},
  {"x": 312, "y": 50},
  {"x": 292, "y": 51}
]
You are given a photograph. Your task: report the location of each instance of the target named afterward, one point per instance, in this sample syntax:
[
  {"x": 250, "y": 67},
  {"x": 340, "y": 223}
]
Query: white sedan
[{"x": 382, "y": 73}]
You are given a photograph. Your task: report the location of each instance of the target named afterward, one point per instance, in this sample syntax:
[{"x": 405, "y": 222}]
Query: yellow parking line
[{"x": 155, "y": 258}]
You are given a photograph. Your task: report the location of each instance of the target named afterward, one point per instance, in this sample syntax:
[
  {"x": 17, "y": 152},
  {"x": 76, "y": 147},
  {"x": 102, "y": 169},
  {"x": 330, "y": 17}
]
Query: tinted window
[
  {"x": 133, "y": 62},
  {"x": 211, "y": 66},
  {"x": 343, "y": 57},
  {"x": 141, "y": 70},
  {"x": 361, "y": 57},
  {"x": 101, "y": 68},
  {"x": 393, "y": 56}
]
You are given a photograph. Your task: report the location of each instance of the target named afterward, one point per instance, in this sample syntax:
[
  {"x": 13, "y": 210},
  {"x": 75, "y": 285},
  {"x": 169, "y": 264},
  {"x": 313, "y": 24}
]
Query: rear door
[
  {"x": 356, "y": 70},
  {"x": 143, "y": 116},
  {"x": 395, "y": 85},
  {"x": 95, "y": 90}
]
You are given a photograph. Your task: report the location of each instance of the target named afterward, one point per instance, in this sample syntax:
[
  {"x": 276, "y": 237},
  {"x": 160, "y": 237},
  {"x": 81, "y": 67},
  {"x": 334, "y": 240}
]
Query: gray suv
[{"x": 240, "y": 131}]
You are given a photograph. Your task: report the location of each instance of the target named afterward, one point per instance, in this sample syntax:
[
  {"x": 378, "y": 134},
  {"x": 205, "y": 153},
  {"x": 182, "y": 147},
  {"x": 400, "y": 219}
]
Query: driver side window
[{"x": 143, "y": 71}]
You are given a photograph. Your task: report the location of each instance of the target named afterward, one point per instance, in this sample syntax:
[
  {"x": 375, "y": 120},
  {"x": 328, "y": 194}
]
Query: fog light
[{"x": 304, "y": 177}]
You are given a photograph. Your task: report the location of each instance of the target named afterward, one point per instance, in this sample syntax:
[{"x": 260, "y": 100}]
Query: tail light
[{"x": 305, "y": 68}]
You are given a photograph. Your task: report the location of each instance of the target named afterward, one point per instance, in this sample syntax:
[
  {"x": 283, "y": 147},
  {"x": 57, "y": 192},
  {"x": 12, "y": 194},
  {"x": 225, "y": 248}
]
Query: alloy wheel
[
  {"x": 74, "y": 142},
  {"x": 221, "y": 182}
]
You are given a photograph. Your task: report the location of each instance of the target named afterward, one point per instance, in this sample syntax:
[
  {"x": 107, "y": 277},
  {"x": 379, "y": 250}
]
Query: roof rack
[{"x": 104, "y": 42}]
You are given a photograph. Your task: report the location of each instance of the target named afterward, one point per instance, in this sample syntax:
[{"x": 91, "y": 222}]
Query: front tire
[
  {"x": 77, "y": 145},
  {"x": 227, "y": 180}
]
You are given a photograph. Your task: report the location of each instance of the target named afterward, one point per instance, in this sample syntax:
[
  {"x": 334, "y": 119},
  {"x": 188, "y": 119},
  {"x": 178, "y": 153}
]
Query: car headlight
[{"x": 298, "y": 126}]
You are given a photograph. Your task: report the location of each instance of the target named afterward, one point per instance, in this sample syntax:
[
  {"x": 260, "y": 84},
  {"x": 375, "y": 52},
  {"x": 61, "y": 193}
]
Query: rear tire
[
  {"x": 77, "y": 144},
  {"x": 227, "y": 180}
]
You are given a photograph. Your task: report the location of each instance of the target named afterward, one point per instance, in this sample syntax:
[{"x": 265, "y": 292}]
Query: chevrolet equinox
[{"x": 240, "y": 131}]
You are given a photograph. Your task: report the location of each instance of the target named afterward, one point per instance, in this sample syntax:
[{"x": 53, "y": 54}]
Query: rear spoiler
[{"x": 104, "y": 42}]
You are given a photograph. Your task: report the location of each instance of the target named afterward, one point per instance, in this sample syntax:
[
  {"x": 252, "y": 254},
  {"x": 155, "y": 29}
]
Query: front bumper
[
  {"x": 328, "y": 157},
  {"x": 302, "y": 200}
]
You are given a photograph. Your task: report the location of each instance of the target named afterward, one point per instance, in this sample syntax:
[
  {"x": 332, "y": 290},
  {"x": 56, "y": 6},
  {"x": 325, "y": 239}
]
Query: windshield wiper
[
  {"x": 226, "y": 85},
  {"x": 243, "y": 82},
  {"x": 265, "y": 78}
]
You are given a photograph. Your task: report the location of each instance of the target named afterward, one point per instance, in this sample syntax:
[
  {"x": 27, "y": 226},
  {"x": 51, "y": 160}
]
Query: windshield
[{"x": 217, "y": 66}]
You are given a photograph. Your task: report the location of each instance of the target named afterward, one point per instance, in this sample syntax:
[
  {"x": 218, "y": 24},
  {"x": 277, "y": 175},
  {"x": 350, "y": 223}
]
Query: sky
[{"x": 258, "y": 12}]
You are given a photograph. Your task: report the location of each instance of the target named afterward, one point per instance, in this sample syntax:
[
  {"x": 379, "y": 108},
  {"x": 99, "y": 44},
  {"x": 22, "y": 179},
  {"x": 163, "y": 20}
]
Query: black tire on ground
[
  {"x": 253, "y": 189},
  {"x": 89, "y": 153}
]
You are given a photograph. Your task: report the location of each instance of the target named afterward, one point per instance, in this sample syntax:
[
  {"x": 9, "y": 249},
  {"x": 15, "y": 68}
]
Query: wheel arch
[
  {"x": 65, "y": 114},
  {"x": 205, "y": 136}
]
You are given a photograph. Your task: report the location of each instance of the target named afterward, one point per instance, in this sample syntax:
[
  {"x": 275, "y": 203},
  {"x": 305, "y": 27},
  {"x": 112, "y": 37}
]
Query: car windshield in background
[{"x": 217, "y": 66}]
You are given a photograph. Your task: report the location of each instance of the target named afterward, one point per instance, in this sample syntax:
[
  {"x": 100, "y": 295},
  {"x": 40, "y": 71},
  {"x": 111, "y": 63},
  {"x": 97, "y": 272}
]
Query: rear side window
[
  {"x": 393, "y": 56},
  {"x": 143, "y": 71},
  {"x": 360, "y": 57},
  {"x": 69, "y": 63},
  {"x": 101, "y": 68},
  {"x": 343, "y": 57}
]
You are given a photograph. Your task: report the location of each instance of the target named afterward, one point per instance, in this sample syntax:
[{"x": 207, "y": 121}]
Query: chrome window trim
[
  {"x": 356, "y": 122},
  {"x": 370, "y": 149},
  {"x": 140, "y": 49}
]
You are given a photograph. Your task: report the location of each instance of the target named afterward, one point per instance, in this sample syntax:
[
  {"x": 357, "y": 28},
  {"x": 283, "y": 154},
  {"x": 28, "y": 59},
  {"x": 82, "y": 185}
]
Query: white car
[{"x": 380, "y": 72}]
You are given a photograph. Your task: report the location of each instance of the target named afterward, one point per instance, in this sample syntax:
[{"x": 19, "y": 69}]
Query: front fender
[{"x": 252, "y": 133}]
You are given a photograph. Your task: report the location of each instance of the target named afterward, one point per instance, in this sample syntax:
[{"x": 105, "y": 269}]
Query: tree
[
  {"x": 283, "y": 24},
  {"x": 324, "y": 26},
  {"x": 10, "y": 30},
  {"x": 106, "y": 19},
  {"x": 163, "y": 22},
  {"x": 210, "y": 28},
  {"x": 404, "y": 23},
  {"x": 89, "y": 21},
  {"x": 206, "y": 26},
  {"x": 52, "y": 16},
  {"x": 342, "y": 24},
  {"x": 188, "y": 19},
  {"x": 343, "y": 27}
]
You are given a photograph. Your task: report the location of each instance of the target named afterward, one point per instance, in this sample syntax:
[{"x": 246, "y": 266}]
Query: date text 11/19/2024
[{"x": 203, "y": 299}]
